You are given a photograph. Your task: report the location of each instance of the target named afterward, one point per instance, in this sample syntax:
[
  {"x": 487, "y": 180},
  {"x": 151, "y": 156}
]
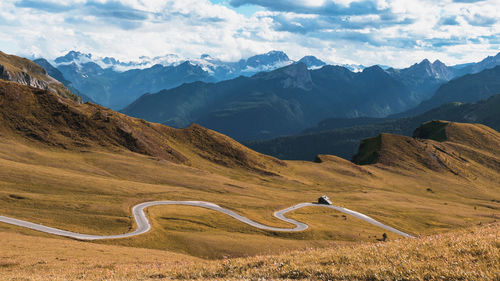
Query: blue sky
[
  {"x": 389, "y": 32},
  {"x": 247, "y": 10}
]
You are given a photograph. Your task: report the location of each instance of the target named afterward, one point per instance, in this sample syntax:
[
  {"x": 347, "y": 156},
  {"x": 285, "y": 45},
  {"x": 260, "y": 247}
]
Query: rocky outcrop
[{"x": 26, "y": 72}]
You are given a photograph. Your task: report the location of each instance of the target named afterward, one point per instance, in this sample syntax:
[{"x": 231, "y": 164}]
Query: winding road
[{"x": 144, "y": 226}]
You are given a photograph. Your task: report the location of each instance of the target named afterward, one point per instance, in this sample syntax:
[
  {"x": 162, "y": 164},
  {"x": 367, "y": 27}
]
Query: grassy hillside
[
  {"x": 81, "y": 167},
  {"x": 470, "y": 254}
]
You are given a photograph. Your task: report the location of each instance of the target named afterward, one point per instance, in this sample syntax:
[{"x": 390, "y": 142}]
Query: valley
[
  {"x": 158, "y": 202},
  {"x": 73, "y": 177}
]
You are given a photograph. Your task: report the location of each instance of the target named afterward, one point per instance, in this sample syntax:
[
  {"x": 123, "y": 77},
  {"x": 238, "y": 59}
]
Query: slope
[
  {"x": 41, "y": 116},
  {"x": 56, "y": 74},
  {"x": 80, "y": 167},
  {"x": 24, "y": 71},
  {"x": 470, "y": 254},
  {"x": 468, "y": 88}
]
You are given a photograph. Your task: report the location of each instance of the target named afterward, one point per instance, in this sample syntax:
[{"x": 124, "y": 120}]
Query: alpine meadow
[{"x": 249, "y": 140}]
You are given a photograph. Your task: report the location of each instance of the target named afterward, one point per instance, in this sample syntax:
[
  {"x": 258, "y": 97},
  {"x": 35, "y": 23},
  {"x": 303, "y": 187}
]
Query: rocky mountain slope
[
  {"x": 44, "y": 117},
  {"x": 116, "y": 84},
  {"x": 25, "y": 72},
  {"x": 424, "y": 78},
  {"x": 469, "y": 88}
]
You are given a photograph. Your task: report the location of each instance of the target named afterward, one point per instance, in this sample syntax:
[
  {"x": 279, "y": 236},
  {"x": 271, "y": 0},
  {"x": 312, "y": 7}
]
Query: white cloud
[{"x": 394, "y": 32}]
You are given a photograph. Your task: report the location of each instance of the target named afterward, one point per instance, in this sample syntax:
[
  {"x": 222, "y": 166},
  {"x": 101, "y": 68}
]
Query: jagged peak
[
  {"x": 296, "y": 75},
  {"x": 373, "y": 68},
  {"x": 73, "y": 55},
  {"x": 438, "y": 63},
  {"x": 425, "y": 62},
  {"x": 312, "y": 62}
]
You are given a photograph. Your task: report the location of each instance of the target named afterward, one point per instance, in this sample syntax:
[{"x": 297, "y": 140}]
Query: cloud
[
  {"x": 329, "y": 8},
  {"x": 396, "y": 32},
  {"x": 479, "y": 20},
  {"x": 48, "y": 6},
  {"x": 467, "y": 1}
]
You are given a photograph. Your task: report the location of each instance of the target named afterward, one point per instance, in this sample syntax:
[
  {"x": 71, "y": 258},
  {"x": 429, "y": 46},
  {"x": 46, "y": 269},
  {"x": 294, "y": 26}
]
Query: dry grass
[
  {"x": 82, "y": 168},
  {"x": 471, "y": 254},
  {"x": 467, "y": 255}
]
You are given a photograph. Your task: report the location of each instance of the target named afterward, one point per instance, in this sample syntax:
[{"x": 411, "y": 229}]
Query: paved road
[{"x": 143, "y": 225}]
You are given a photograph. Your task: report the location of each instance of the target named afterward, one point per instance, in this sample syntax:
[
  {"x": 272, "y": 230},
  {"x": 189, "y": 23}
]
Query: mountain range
[
  {"x": 283, "y": 101},
  {"x": 116, "y": 84},
  {"x": 81, "y": 167},
  {"x": 342, "y": 137},
  {"x": 290, "y": 99},
  {"x": 280, "y": 102}
]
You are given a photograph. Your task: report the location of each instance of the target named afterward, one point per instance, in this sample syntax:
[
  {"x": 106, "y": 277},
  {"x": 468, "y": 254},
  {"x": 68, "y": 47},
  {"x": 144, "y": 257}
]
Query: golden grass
[
  {"x": 470, "y": 254},
  {"x": 93, "y": 192},
  {"x": 82, "y": 167}
]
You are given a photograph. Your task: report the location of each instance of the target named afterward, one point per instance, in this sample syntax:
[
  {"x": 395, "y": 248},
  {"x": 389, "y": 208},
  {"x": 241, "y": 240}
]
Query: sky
[{"x": 387, "y": 32}]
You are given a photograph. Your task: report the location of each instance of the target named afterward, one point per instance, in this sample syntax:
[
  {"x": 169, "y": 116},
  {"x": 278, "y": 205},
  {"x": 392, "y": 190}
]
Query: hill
[
  {"x": 56, "y": 74},
  {"x": 24, "y": 71},
  {"x": 43, "y": 117},
  {"x": 440, "y": 154},
  {"x": 342, "y": 137},
  {"x": 466, "y": 254},
  {"x": 81, "y": 168}
]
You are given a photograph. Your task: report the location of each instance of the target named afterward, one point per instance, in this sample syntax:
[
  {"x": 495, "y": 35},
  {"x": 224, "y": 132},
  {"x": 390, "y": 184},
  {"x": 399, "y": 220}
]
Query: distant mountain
[
  {"x": 472, "y": 68},
  {"x": 265, "y": 60},
  {"x": 312, "y": 62},
  {"x": 118, "y": 89},
  {"x": 56, "y": 74},
  {"x": 469, "y": 88},
  {"x": 105, "y": 79},
  {"x": 424, "y": 78},
  {"x": 283, "y": 101},
  {"x": 116, "y": 84},
  {"x": 25, "y": 72},
  {"x": 344, "y": 142}
]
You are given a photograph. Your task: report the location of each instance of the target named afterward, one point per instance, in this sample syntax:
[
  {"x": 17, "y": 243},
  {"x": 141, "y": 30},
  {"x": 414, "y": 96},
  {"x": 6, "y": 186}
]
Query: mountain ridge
[
  {"x": 343, "y": 139},
  {"x": 25, "y": 72},
  {"x": 284, "y": 101}
]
